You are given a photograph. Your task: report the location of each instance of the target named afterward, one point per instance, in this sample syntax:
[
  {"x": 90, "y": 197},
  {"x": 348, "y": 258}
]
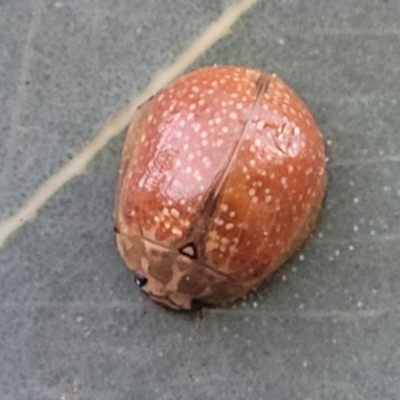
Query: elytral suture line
[{"x": 117, "y": 123}]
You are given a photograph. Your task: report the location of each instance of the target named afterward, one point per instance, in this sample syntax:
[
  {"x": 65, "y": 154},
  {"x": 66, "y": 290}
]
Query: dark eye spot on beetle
[
  {"x": 189, "y": 250},
  {"x": 140, "y": 280}
]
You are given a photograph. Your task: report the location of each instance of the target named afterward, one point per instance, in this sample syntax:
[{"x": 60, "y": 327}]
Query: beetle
[{"x": 222, "y": 178}]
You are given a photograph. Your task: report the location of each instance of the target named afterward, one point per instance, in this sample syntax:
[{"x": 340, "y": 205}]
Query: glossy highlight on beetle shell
[{"x": 222, "y": 177}]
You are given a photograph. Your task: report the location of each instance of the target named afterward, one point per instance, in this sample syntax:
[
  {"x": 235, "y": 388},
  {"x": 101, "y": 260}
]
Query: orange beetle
[{"x": 221, "y": 179}]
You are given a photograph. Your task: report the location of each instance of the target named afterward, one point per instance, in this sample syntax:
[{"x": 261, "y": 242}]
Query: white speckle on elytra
[
  {"x": 218, "y": 222},
  {"x": 233, "y": 115},
  {"x": 175, "y": 213},
  {"x": 204, "y": 142},
  {"x": 252, "y": 192},
  {"x": 188, "y": 170},
  {"x": 196, "y": 127},
  {"x": 203, "y": 134},
  {"x": 225, "y": 129},
  {"x": 224, "y": 207},
  {"x": 229, "y": 226},
  {"x": 268, "y": 199},
  {"x": 191, "y": 156},
  {"x": 284, "y": 182},
  {"x": 176, "y": 231},
  {"x": 261, "y": 124},
  {"x": 252, "y": 162},
  {"x": 206, "y": 162},
  {"x": 185, "y": 147},
  {"x": 219, "y": 142},
  {"x": 218, "y": 120}
]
